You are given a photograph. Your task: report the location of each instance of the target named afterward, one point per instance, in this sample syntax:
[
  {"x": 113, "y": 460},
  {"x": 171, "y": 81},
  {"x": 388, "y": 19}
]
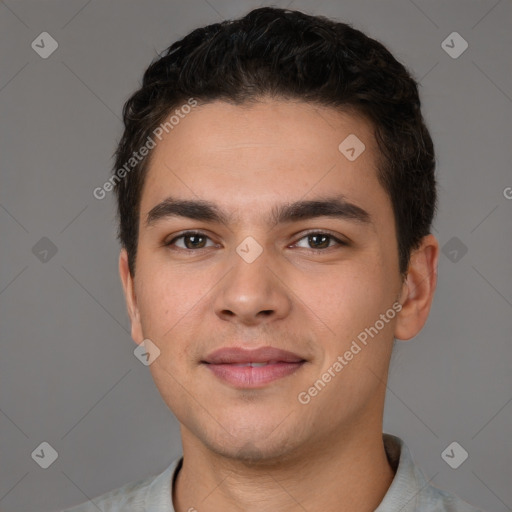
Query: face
[{"x": 308, "y": 280}]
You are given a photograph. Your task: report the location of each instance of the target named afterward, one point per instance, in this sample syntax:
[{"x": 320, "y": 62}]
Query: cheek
[
  {"x": 153, "y": 303},
  {"x": 349, "y": 300},
  {"x": 165, "y": 299},
  {"x": 167, "y": 304},
  {"x": 173, "y": 306}
]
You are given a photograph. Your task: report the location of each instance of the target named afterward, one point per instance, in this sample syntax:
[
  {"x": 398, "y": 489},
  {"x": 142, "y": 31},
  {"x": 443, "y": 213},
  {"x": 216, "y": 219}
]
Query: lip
[
  {"x": 236, "y": 355},
  {"x": 233, "y": 365}
]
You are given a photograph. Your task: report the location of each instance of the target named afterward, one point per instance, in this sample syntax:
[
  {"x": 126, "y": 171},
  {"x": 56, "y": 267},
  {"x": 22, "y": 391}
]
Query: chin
[
  {"x": 257, "y": 444},
  {"x": 258, "y": 453}
]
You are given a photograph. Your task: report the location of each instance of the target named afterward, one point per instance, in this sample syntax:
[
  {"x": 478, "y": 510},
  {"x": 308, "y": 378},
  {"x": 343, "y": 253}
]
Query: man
[{"x": 275, "y": 185}]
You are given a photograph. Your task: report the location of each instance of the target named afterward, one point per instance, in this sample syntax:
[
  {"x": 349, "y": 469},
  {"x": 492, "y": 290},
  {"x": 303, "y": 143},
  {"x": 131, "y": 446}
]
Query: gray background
[{"x": 68, "y": 373}]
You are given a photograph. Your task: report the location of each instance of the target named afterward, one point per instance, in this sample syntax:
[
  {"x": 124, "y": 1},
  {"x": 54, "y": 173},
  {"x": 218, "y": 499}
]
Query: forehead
[{"x": 250, "y": 157}]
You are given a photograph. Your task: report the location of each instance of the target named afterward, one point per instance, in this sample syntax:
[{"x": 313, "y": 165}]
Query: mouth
[{"x": 246, "y": 369}]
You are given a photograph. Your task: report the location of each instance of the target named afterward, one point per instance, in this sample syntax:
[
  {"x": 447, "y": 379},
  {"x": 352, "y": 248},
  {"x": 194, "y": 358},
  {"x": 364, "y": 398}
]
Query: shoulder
[
  {"x": 134, "y": 496},
  {"x": 410, "y": 491},
  {"x": 131, "y": 496},
  {"x": 437, "y": 500}
]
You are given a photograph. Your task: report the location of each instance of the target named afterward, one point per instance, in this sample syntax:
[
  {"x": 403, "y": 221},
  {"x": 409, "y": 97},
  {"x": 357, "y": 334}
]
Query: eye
[
  {"x": 191, "y": 240},
  {"x": 321, "y": 241}
]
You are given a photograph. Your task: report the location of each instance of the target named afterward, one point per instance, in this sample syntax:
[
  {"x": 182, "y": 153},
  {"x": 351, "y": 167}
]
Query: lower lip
[{"x": 253, "y": 376}]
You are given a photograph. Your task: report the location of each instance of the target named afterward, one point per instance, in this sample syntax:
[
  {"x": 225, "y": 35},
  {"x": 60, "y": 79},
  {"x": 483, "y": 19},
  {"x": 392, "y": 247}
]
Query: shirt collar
[{"x": 408, "y": 483}]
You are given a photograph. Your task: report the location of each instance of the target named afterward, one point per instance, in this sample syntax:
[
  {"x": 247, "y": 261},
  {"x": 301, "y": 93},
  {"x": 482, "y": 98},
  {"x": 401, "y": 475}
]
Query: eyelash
[{"x": 306, "y": 235}]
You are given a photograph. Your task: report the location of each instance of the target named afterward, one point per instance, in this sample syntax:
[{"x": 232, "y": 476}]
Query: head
[{"x": 243, "y": 118}]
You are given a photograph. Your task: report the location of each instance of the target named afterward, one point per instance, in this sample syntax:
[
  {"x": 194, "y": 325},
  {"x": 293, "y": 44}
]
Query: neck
[{"x": 353, "y": 474}]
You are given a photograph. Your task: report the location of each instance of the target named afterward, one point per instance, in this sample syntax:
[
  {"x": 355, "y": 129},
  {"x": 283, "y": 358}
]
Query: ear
[
  {"x": 418, "y": 289},
  {"x": 131, "y": 299}
]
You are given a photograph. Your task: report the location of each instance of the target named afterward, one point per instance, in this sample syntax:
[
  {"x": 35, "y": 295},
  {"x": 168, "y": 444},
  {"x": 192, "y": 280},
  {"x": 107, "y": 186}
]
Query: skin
[{"x": 262, "y": 449}]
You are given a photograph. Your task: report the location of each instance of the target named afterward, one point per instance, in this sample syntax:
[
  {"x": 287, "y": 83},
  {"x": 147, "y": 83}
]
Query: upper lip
[{"x": 235, "y": 355}]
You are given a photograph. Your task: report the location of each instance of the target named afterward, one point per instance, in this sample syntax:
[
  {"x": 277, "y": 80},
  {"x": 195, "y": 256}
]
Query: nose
[{"x": 253, "y": 293}]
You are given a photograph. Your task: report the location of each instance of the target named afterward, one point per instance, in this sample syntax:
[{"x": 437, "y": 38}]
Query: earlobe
[
  {"x": 130, "y": 297},
  {"x": 418, "y": 289}
]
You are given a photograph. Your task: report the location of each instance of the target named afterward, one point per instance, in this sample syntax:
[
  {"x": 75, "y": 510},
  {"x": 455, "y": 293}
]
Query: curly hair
[{"x": 287, "y": 54}]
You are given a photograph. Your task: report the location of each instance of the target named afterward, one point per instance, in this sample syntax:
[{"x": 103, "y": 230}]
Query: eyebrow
[{"x": 335, "y": 207}]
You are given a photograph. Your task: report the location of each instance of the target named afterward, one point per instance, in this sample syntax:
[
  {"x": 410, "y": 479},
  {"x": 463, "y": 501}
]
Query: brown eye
[
  {"x": 191, "y": 240},
  {"x": 319, "y": 241}
]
